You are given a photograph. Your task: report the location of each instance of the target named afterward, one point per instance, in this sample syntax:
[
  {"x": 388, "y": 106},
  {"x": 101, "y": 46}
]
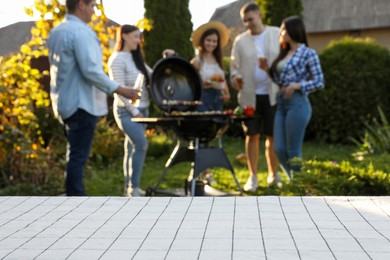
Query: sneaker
[
  {"x": 274, "y": 180},
  {"x": 209, "y": 178},
  {"x": 138, "y": 192},
  {"x": 251, "y": 184},
  {"x": 127, "y": 191}
]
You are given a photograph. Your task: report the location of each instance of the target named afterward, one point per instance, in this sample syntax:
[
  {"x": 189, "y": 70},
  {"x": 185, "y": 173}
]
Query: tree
[
  {"x": 171, "y": 29},
  {"x": 27, "y": 125},
  {"x": 274, "y": 11}
]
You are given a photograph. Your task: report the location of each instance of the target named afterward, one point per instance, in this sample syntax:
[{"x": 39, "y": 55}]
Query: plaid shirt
[{"x": 303, "y": 67}]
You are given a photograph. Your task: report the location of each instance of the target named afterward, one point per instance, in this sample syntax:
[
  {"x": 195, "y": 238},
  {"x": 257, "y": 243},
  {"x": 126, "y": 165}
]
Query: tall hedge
[
  {"x": 274, "y": 11},
  {"x": 357, "y": 81},
  {"x": 171, "y": 29}
]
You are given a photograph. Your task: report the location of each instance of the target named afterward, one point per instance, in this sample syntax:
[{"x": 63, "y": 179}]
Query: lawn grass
[{"x": 105, "y": 179}]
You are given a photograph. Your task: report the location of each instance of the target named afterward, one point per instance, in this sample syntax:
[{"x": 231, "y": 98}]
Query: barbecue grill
[{"x": 176, "y": 89}]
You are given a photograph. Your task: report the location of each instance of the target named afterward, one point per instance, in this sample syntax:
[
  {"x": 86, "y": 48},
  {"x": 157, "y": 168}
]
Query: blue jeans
[
  {"x": 79, "y": 130},
  {"x": 135, "y": 146},
  {"x": 291, "y": 119},
  {"x": 212, "y": 100}
]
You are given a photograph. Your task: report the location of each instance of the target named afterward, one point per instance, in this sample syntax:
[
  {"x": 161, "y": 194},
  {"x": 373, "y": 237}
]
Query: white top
[
  {"x": 262, "y": 79},
  {"x": 122, "y": 69},
  {"x": 208, "y": 69}
]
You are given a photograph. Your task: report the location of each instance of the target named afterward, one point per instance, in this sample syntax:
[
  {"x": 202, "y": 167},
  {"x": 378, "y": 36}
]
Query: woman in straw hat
[{"x": 209, "y": 39}]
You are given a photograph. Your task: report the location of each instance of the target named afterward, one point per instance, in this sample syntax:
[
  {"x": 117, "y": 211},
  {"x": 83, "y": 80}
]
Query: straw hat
[{"x": 220, "y": 27}]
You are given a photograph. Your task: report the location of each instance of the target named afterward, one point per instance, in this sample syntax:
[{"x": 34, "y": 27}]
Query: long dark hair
[
  {"x": 137, "y": 53},
  {"x": 217, "y": 53},
  {"x": 295, "y": 28}
]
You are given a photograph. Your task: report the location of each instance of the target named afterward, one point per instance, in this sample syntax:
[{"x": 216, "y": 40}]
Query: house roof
[
  {"x": 13, "y": 36},
  {"x": 345, "y": 15},
  {"x": 230, "y": 14},
  {"x": 323, "y": 15}
]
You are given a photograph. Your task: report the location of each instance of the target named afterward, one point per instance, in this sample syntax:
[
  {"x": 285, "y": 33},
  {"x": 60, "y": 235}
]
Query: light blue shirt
[{"x": 77, "y": 76}]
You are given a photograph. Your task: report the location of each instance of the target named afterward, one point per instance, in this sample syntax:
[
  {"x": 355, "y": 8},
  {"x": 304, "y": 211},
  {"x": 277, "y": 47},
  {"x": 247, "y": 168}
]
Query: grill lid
[{"x": 175, "y": 85}]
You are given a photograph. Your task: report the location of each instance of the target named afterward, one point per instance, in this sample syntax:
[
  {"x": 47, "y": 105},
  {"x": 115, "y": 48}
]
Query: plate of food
[{"x": 217, "y": 78}]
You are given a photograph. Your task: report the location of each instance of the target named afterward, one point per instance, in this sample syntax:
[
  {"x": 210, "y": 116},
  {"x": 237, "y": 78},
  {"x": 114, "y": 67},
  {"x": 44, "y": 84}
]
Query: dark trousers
[{"x": 79, "y": 130}]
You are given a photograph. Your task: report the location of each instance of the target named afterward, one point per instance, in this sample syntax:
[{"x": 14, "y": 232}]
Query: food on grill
[
  {"x": 249, "y": 111},
  {"x": 196, "y": 113},
  {"x": 217, "y": 78},
  {"x": 182, "y": 102},
  {"x": 238, "y": 111},
  {"x": 228, "y": 112}
]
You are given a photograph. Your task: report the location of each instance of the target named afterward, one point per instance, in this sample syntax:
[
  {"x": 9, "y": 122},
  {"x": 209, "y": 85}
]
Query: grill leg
[
  {"x": 179, "y": 154},
  {"x": 193, "y": 184},
  {"x": 201, "y": 158},
  {"x": 212, "y": 157}
]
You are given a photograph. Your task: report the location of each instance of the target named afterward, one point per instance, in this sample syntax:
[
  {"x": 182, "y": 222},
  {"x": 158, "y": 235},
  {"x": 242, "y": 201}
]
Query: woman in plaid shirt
[{"x": 297, "y": 71}]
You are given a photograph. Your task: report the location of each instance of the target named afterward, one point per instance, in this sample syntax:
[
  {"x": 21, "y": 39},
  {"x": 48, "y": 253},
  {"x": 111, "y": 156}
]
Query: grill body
[{"x": 176, "y": 89}]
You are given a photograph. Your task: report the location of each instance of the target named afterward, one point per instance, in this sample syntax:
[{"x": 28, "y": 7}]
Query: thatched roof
[{"x": 323, "y": 15}]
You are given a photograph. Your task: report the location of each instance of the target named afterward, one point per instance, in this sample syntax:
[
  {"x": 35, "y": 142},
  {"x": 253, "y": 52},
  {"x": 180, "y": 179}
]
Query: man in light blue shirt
[{"x": 79, "y": 86}]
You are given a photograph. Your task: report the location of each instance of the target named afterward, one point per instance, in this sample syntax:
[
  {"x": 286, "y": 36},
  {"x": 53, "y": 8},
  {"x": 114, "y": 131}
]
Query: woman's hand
[
  {"x": 288, "y": 91},
  {"x": 225, "y": 93},
  {"x": 212, "y": 84},
  {"x": 132, "y": 94},
  {"x": 225, "y": 96},
  {"x": 237, "y": 83},
  {"x": 139, "y": 115},
  {"x": 207, "y": 83}
]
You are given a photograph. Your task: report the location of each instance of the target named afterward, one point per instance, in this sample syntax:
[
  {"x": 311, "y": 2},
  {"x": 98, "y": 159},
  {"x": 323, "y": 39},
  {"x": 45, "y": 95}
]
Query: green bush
[
  {"x": 108, "y": 141},
  {"x": 30, "y": 169},
  {"x": 377, "y": 136},
  {"x": 357, "y": 81},
  {"x": 329, "y": 178},
  {"x": 159, "y": 144}
]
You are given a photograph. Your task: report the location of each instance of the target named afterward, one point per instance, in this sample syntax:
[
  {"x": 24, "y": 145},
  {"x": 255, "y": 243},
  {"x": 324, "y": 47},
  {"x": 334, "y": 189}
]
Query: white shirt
[
  {"x": 262, "y": 79},
  {"x": 122, "y": 69},
  {"x": 208, "y": 69}
]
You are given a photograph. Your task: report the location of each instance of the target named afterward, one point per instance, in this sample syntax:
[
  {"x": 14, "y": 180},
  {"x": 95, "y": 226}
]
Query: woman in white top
[
  {"x": 127, "y": 67},
  {"x": 209, "y": 39}
]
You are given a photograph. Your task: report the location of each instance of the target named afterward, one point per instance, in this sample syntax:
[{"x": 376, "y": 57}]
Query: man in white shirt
[{"x": 253, "y": 51}]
